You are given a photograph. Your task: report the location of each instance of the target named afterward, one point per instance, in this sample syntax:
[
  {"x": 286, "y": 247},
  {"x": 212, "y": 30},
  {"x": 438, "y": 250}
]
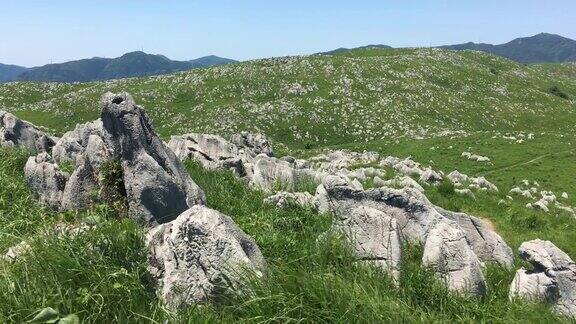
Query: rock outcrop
[
  {"x": 122, "y": 144},
  {"x": 15, "y": 132},
  {"x": 553, "y": 278},
  {"x": 416, "y": 220},
  {"x": 198, "y": 254},
  {"x": 284, "y": 199}
]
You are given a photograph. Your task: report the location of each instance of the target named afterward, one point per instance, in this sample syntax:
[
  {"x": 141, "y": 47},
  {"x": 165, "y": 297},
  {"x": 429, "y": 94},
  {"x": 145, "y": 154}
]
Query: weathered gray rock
[
  {"x": 534, "y": 286},
  {"x": 74, "y": 142},
  {"x": 270, "y": 173},
  {"x": 254, "y": 143},
  {"x": 374, "y": 237},
  {"x": 84, "y": 186},
  {"x": 212, "y": 151},
  {"x": 154, "y": 181},
  {"x": 283, "y": 199},
  {"x": 158, "y": 188},
  {"x": 416, "y": 217},
  {"x": 15, "y": 132},
  {"x": 45, "y": 179},
  {"x": 448, "y": 254},
  {"x": 198, "y": 254},
  {"x": 486, "y": 243},
  {"x": 553, "y": 278}
]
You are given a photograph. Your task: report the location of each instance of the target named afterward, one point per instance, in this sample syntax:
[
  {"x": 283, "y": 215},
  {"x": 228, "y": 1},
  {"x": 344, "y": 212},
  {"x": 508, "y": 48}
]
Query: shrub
[{"x": 555, "y": 90}]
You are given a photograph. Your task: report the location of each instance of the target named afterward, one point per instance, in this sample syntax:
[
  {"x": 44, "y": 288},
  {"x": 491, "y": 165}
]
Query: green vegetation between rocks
[{"x": 100, "y": 275}]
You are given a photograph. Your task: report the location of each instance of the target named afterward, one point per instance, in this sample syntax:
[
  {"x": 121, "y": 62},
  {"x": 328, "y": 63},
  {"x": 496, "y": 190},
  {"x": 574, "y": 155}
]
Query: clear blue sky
[{"x": 35, "y": 32}]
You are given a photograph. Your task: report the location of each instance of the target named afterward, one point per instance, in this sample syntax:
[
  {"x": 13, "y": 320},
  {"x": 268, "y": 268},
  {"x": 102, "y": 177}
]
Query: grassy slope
[
  {"x": 100, "y": 275},
  {"x": 429, "y": 104}
]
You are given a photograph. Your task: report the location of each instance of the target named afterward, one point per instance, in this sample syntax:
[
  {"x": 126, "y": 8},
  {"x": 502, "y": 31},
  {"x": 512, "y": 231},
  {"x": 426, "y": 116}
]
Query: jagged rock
[
  {"x": 198, "y": 254},
  {"x": 283, "y": 199},
  {"x": 15, "y": 132},
  {"x": 457, "y": 177},
  {"x": 270, "y": 173},
  {"x": 448, "y": 254},
  {"x": 154, "y": 181},
  {"x": 414, "y": 214},
  {"x": 431, "y": 176},
  {"x": 399, "y": 182},
  {"x": 212, "y": 151},
  {"x": 45, "y": 179},
  {"x": 158, "y": 188},
  {"x": 487, "y": 244},
  {"x": 553, "y": 277},
  {"x": 255, "y": 143},
  {"x": 374, "y": 237},
  {"x": 84, "y": 186},
  {"x": 74, "y": 142}
]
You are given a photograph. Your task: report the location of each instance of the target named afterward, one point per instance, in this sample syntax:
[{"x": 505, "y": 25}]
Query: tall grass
[{"x": 101, "y": 276}]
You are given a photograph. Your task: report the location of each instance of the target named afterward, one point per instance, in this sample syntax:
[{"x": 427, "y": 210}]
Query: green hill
[{"x": 430, "y": 104}]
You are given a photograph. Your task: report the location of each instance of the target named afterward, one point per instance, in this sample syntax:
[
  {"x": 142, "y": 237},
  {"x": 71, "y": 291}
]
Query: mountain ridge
[{"x": 132, "y": 64}]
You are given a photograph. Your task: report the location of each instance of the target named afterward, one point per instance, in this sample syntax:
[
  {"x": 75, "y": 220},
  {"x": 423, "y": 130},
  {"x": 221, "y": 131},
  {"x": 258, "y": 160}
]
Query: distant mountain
[
  {"x": 134, "y": 64},
  {"x": 10, "y": 72},
  {"x": 210, "y": 61},
  {"x": 343, "y": 49},
  {"x": 541, "y": 48}
]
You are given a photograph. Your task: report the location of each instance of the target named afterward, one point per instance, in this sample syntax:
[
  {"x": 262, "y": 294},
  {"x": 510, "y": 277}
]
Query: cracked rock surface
[
  {"x": 155, "y": 183},
  {"x": 199, "y": 253},
  {"x": 553, "y": 278},
  {"x": 15, "y": 132},
  {"x": 455, "y": 243}
]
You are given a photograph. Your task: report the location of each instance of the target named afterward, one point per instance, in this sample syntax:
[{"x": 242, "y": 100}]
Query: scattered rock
[
  {"x": 199, "y": 254},
  {"x": 255, "y": 143},
  {"x": 466, "y": 193}
]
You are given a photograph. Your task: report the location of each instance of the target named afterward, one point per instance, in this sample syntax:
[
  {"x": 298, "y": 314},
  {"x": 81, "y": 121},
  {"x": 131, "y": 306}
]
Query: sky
[{"x": 36, "y": 32}]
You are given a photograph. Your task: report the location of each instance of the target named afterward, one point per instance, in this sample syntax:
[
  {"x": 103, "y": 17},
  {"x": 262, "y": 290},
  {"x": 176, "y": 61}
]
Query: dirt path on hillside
[{"x": 538, "y": 158}]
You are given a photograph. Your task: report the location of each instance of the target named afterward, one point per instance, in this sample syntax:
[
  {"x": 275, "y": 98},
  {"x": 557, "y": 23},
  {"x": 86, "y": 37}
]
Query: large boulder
[
  {"x": 75, "y": 141},
  {"x": 157, "y": 185},
  {"x": 486, "y": 243},
  {"x": 85, "y": 184},
  {"x": 15, "y": 132},
  {"x": 199, "y": 254},
  {"x": 45, "y": 179},
  {"x": 374, "y": 237},
  {"x": 448, "y": 254},
  {"x": 271, "y": 174},
  {"x": 553, "y": 278}
]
